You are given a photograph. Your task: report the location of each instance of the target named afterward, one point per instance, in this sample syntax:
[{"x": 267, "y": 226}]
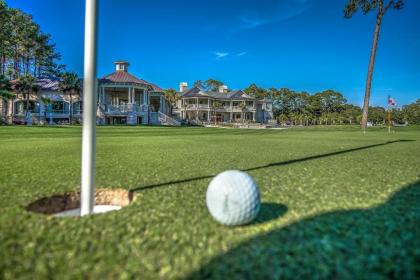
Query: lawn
[{"x": 335, "y": 204}]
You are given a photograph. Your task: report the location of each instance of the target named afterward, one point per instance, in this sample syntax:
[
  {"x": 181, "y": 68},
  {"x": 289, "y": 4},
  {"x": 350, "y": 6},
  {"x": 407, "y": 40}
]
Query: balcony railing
[
  {"x": 221, "y": 108},
  {"x": 125, "y": 109}
]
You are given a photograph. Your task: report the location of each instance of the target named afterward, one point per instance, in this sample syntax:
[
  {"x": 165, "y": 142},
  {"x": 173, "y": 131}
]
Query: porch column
[
  {"x": 103, "y": 99},
  {"x": 9, "y": 116},
  {"x": 104, "y": 95},
  {"x": 100, "y": 97},
  {"x": 253, "y": 116},
  {"x": 129, "y": 95},
  {"x": 208, "y": 116},
  {"x": 161, "y": 104}
]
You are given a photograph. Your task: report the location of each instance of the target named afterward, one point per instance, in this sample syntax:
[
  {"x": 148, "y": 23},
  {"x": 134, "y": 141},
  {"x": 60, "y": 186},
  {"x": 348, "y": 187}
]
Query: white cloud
[
  {"x": 220, "y": 55},
  {"x": 241, "y": 54},
  {"x": 280, "y": 11}
]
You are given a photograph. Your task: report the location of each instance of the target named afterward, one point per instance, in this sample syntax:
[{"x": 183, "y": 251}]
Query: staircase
[{"x": 162, "y": 119}]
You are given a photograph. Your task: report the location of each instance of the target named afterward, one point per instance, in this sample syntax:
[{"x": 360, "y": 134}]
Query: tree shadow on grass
[
  {"x": 377, "y": 243},
  {"x": 281, "y": 163}
]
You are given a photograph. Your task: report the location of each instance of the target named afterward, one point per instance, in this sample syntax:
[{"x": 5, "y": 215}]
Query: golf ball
[{"x": 233, "y": 198}]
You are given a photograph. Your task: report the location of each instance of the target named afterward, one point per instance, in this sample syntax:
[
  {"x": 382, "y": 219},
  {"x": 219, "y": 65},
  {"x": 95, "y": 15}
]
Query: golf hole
[{"x": 68, "y": 204}]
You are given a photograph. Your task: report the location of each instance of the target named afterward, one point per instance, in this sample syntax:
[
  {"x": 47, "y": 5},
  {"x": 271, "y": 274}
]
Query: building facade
[
  {"x": 196, "y": 105},
  {"x": 122, "y": 99}
]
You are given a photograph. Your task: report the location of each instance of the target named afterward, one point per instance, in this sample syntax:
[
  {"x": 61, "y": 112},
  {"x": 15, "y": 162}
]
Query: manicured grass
[{"x": 336, "y": 204}]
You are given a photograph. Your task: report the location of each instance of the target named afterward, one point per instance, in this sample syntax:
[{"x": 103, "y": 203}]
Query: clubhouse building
[
  {"x": 124, "y": 99},
  {"x": 222, "y": 106}
]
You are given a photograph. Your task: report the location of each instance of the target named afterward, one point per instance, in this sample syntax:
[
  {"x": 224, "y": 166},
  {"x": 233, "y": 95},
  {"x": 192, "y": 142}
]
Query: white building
[
  {"x": 122, "y": 99},
  {"x": 196, "y": 105}
]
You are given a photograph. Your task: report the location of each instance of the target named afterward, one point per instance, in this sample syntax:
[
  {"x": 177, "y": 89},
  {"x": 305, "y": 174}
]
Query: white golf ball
[{"x": 233, "y": 198}]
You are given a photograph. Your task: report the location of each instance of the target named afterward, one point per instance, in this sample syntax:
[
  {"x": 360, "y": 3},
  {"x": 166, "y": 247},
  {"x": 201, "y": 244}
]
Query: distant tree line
[
  {"x": 328, "y": 107},
  {"x": 322, "y": 108},
  {"x": 24, "y": 48},
  {"x": 26, "y": 53}
]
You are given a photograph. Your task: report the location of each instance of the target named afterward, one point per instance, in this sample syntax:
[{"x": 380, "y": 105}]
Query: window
[
  {"x": 60, "y": 107},
  {"x": 20, "y": 107},
  {"x": 78, "y": 107}
]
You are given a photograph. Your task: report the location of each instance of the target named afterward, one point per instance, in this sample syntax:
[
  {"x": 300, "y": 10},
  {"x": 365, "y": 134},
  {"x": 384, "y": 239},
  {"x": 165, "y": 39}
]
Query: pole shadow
[{"x": 281, "y": 163}]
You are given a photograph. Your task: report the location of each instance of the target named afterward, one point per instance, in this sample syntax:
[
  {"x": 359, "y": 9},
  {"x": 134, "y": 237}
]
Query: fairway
[{"x": 335, "y": 203}]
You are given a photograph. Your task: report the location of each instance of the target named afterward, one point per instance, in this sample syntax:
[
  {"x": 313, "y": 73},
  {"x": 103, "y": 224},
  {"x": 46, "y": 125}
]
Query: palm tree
[
  {"x": 70, "y": 83},
  {"x": 171, "y": 96},
  {"x": 367, "y": 6},
  {"x": 46, "y": 101},
  {"x": 216, "y": 105},
  {"x": 26, "y": 85},
  {"x": 6, "y": 92}
]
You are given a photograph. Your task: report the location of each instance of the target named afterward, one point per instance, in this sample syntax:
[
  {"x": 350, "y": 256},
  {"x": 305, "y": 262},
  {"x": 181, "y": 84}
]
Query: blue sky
[{"x": 305, "y": 45}]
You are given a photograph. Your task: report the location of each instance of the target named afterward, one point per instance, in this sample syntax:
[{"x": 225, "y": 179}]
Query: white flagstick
[{"x": 89, "y": 113}]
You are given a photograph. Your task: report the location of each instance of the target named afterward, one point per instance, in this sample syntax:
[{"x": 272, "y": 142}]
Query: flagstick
[
  {"x": 389, "y": 119},
  {"x": 89, "y": 113}
]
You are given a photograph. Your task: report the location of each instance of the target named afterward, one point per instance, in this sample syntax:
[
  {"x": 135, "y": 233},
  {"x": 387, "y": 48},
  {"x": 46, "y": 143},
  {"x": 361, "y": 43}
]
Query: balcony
[
  {"x": 221, "y": 108},
  {"x": 125, "y": 109}
]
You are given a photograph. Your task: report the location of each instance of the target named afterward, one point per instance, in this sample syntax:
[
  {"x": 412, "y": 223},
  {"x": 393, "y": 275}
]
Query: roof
[
  {"x": 121, "y": 62},
  {"x": 45, "y": 83},
  {"x": 236, "y": 94},
  {"x": 155, "y": 87},
  {"x": 49, "y": 83},
  {"x": 125, "y": 77},
  {"x": 122, "y": 77}
]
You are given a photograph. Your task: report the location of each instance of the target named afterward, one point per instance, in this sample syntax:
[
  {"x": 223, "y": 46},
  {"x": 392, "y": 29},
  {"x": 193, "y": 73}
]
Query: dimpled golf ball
[{"x": 233, "y": 198}]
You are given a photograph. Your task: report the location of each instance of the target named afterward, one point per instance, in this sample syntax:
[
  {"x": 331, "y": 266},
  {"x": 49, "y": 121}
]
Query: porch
[{"x": 211, "y": 116}]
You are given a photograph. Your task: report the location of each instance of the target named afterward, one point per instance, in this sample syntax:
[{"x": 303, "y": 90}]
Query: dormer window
[{"x": 121, "y": 66}]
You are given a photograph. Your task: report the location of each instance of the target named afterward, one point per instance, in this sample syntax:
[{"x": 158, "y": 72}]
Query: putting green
[{"x": 336, "y": 203}]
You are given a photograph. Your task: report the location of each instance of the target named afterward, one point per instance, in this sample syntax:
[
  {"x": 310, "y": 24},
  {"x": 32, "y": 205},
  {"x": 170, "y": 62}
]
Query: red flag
[{"x": 391, "y": 101}]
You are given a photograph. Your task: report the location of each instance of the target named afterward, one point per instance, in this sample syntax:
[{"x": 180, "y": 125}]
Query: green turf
[{"x": 336, "y": 204}]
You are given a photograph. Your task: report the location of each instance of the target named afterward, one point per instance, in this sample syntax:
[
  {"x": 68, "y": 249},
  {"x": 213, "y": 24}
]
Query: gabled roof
[
  {"x": 125, "y": 77},
  {"x": 122, "y": 77},
  {"x": 235, "y": 95}
]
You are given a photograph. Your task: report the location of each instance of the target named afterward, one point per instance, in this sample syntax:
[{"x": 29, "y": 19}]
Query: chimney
[
  {"x": 223, "y": 89},
  {"x": 121, "y": 66},
  {"x": 183, "y": 87}
]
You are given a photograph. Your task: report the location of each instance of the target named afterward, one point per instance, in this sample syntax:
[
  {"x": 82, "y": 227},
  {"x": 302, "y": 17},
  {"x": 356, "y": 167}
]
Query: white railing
[
  {"x": 227, "y": 107},
  {"x": 165, "y": 119},
  {"x": 125, "y": 108}
]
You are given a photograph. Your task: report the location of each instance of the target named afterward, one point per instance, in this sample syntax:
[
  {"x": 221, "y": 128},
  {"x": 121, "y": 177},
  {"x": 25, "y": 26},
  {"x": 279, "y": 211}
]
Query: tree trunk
[
  {"x": 27, "y": 109},
  {"x": 15, "y": 64},
  {"x": 3, "y": 63},
  {"x": 370, "y": 71},
  {"x": 35, "y": 62}
]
